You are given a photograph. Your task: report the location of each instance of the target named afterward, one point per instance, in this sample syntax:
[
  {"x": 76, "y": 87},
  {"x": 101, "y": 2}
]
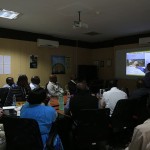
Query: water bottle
[
  {"x": 100, "y": 93},
  {"x": 14, "y": 100},
  {"x": 61, "y": 102}
]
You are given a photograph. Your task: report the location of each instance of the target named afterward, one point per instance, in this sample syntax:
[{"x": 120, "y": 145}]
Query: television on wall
[{"x": 87, "y": 72}]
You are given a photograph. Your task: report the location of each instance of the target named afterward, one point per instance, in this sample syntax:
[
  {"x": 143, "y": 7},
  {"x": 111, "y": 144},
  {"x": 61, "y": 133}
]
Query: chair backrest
[
  {"x": 3, "y": 95},
  {"x": 122, "y": 114},
  {"x": 93, "y": 125},
  {"x": 22, "y": 134},
  {"x": 140, "y": 110}
]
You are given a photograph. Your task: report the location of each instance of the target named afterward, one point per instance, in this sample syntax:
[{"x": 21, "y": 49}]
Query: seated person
[
  {"x": 72, "y": 85},
  {"x": 141, "y": 90},
  {"x": 2, "y": 133},
  {"x": 146, "y": 78},
  {"x": 141, "y": 136},
  {"x": 9, "y": 82},
  {"x": 44, "y": 115},
  {"x": 53, "y": 88},
  {"x": 20, "y": 90},
  {"x": 35, "y": 82},
  {"x": 82, "y": 100},
  {"x": 111, "y": 97}
]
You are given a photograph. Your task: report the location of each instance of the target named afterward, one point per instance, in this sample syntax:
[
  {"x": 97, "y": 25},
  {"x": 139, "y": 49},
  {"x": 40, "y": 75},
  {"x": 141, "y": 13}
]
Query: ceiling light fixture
[{"x": 8, "y": 14}]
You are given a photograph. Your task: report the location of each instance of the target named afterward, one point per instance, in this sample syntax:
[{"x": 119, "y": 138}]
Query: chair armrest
[{"x": 51, "y": 138}]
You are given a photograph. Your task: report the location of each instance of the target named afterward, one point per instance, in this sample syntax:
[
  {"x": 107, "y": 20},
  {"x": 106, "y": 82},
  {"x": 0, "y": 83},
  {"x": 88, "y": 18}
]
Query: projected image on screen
[{"x": 136, "y": 63}]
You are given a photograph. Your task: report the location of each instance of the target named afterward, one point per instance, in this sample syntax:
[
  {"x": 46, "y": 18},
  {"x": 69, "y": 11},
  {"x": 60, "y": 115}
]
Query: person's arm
[
  {"x": 102, "y": 103},
  {"x": 51, "y": 89},
  {"x": 9, "y": 98},
  {"x": 1, "y": 112},
  {"x": 67, "y": 109}
]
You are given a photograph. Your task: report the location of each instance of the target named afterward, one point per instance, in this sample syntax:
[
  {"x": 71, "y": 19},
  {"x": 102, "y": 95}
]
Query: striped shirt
[{"x": 20, "y": 93}]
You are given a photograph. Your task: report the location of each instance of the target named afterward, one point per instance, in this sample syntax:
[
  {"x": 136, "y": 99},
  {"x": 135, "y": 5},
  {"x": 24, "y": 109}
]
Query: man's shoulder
[{"x": 144, "y": 127}]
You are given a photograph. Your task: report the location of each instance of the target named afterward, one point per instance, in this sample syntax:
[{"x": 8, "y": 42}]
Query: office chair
[
  {"x": 92, "y": 127},
  {"x": 122, "y": 121},
  {"x": 122, "y": 114},
  {"x": 3, "y": 95},
  {"x": 140, "y": 110},
  {"x": 24, "y": 134}
]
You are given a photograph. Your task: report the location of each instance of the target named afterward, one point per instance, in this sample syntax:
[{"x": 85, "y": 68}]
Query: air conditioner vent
[
  {"x": 144, "y": 41},
  {"x": 47, "y": 43}
]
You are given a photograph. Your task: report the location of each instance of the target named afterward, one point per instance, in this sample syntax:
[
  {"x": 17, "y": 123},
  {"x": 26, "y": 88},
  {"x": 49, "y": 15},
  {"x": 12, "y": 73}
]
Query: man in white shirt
[
  {"x": 35, "y": 82},
  {"x": 111, "y": 97},
  {"x": 53, "y": 87}
]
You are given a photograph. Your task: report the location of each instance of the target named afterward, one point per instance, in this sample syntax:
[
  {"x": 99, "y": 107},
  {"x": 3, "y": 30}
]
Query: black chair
[
  {"x": 122, "y": 122},
  {"x": 24, "y": 134},
  {"x": 122, "y": 114},
  {"x": 3, "y": 95},
  {"x": 140, "y": 113},
  {"x": 91, "y": 127}
]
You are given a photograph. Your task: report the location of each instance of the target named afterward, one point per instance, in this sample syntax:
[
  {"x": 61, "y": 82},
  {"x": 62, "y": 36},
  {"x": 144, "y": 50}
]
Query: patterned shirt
[{"x": 19, "y": 92}]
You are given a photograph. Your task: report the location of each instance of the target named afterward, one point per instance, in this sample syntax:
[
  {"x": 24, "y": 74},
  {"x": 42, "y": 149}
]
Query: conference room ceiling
[{"x": 106, "y": 19}]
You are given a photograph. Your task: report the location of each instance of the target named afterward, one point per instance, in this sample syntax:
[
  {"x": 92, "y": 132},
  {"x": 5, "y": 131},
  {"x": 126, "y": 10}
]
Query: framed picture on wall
[
  {"x": 101, "y": 63},
  {"x": 33, "y": 61},
  {"x": 108, "y": 62},
  {"x": 96, "y": 63},
  {"x": 58, "y": 64}
]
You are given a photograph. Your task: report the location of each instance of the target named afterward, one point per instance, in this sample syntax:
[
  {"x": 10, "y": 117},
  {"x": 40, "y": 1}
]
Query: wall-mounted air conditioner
[
  {"x": 144, "y": 41},
  {"x": 47, "y": 43}
]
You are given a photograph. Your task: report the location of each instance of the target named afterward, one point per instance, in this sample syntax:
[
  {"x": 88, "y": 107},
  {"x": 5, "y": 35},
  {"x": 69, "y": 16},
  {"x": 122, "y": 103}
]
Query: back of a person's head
[
  {"x": 22, "y": 80},
  {"x": 112, "y": 83},
  {"x": 81, "y": 87},
  {"x": 53, "y": 78},
  {"x": 73, "y": 77},
  {"x": 10, "y": 81},
  {"x": 37, "y": 96},
  {"x": 35, "y": 80}
]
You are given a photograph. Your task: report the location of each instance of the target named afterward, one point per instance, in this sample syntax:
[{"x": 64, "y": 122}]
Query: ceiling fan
[{"x": 79, "y": 23}]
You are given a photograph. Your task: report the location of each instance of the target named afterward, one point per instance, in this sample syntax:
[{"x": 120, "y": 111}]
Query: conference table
[
  {"x": 55, "y": 104},
  {"x": 15, "y": 110}
]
